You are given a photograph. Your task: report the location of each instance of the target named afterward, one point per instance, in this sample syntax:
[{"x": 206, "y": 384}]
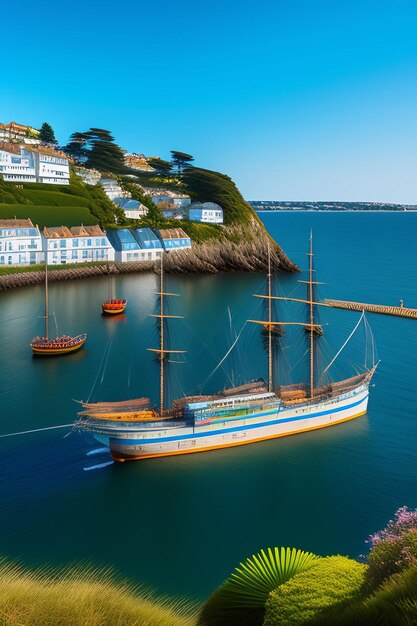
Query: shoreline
[
  {"x": 215, "y": 258},
  {"x": 333, "y": 211}
]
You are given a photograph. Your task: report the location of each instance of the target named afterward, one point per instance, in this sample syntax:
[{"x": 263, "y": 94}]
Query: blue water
[{"x": 181, "y": 524}]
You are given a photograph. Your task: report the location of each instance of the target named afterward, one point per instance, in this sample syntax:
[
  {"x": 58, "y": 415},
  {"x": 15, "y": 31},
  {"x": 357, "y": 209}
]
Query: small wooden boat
[
  {"x": 45, "y": 346},
  {"x": 113, "y": 307},
  {"x": 60, "y": 345}
]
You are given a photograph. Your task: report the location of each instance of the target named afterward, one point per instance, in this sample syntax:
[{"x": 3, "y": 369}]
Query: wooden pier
[{"x": 399, "y": 311}]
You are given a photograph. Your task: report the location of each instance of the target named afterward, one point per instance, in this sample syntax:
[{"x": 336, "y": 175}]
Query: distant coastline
[{"x": 263, "y": 206}]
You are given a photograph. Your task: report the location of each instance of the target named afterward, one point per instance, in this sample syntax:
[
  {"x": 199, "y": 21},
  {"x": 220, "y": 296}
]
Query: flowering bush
[
  {"x": 394, "y": 548},
  {"x": 404, "y": 520}
]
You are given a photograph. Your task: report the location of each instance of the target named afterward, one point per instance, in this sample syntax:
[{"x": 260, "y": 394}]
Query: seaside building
[
  {"x": 138, "y": 162},
  {"x": 150, "y": 244},
  {"x": 174, "y": 239},
  {"x": 17, "y": 164},
  {"x": 19, "y": 133},
  {"x": 52, "y": 166},
  {"x": 126, "y": 247},
  {"x": 33, "y": 164},
  {"x": 133, "y": 209},
  {"x": 172, "y": 200},
  {"x": 20, "y": 243},
  {"x": 111, "y": 188},
  {"x": 176, "y": 214},
  {"x": 79, "y": 244},
  {"x": 88, "y": 176},
  {"x": 208, "y": 212}
]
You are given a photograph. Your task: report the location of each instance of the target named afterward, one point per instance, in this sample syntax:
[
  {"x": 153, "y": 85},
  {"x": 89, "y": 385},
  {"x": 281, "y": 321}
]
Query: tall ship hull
[{"x": 224, "y": 421}]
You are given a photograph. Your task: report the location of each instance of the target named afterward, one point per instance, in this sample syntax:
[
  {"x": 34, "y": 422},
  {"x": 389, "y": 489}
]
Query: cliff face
[{"x": 243, "y": 249}]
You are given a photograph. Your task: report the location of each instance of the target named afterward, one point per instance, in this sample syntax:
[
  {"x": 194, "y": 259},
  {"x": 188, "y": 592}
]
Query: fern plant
[{"x": 241, "y": 598}]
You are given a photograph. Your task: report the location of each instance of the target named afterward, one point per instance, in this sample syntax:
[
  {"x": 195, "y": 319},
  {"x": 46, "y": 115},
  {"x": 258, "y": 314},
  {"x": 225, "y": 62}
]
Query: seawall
[{"x": 207, "y": 258}]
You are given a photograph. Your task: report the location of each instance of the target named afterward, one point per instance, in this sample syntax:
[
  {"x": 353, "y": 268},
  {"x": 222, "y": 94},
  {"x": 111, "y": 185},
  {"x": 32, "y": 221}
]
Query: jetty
[{"x": 399, "y": 311}]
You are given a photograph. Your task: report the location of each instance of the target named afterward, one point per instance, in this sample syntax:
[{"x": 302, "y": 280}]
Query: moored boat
[
  {"x": 60, "y": 345},
  {"x": 113, "y": 307},
  {"x": 65, "y": 344},
  {"x": 254, "y": 412}
]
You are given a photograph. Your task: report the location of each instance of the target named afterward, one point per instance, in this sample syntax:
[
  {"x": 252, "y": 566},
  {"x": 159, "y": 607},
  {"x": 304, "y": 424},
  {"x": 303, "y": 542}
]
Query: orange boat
[
  {"x": 113, "y": 307},
  {"x": 44, "y": 346}
]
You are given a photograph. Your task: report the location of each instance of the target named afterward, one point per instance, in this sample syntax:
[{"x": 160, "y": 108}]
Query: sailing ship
[
  {"x": 112, "y": 306},
  {"x": 45, "y": 346},
  {"x": 251, "y": 413}
]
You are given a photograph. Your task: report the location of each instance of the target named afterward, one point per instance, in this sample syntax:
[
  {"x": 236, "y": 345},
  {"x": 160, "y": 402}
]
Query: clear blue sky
[{"x": 295, "y": 99}]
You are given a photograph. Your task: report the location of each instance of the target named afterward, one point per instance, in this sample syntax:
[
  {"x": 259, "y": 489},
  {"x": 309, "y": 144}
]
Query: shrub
[
  {"x": 79, "y": 597},
  {"x": 333, "y": 580},
  {"x": 393, "y": 604},
  {"x": 241, "y": 598}
]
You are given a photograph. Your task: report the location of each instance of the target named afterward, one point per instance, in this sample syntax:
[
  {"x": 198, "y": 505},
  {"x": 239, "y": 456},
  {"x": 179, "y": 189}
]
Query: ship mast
[
  {"x": 162, "y": 350},
  {"x": 162, "y": 354},
  {"x": 46, "y": 298},
  {"x": 270, "y": 327},
  {"x": 311, "y": 307}
]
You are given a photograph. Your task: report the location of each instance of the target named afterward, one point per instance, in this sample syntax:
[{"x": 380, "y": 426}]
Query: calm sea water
[{"x": 181, "y": 524}]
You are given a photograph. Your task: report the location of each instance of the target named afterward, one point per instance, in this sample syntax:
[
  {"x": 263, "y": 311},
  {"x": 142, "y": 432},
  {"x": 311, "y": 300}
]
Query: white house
[
  {"x": 51, "y": 165},
  {"x": 209, "y": 212},
  {"x": 17, "y": 164},
  {"x": 33, "y": 164},
  {"x": 79, "y": 244},
  {"x": 111, "y": 188},
  {"x": 20, "y": 243},
  {"x": 133, "y": 209},
  {"x": 174, "y": 239}
]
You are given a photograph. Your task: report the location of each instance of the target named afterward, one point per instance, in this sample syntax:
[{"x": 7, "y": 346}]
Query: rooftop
[
  {"x": 173, "y": 233},
  {"x": 16, "y": 223},
  {"x": 63, "y": 232},
  {"x": 10, "y": 147}
]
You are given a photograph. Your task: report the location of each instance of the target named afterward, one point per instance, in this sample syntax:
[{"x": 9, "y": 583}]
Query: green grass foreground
[{"x": 87, "y": 596}]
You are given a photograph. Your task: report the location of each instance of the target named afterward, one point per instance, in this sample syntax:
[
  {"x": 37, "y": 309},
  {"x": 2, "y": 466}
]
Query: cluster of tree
[
  {"x": 180, "y": 161},
  {"x": 97, "y": 149}
]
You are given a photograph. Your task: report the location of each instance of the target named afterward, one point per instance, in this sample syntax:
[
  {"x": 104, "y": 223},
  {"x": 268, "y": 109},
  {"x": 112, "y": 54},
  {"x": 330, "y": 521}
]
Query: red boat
[{"x": 113, "y": 307}]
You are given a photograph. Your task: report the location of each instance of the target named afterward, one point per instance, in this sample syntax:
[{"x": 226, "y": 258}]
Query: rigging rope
[
  {"x": 225, "y": 356},
  {"x": 36, "y": 430},
  {"x": 344, "y": 345}
]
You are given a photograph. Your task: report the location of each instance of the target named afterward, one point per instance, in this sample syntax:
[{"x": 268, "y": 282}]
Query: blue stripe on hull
[{"x": 237, "y": 428}]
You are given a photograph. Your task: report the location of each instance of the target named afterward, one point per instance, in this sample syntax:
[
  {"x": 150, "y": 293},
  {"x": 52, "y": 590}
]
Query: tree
[
  {"x": 47, "y": 133},
  {"x": 77, "y": 147},
  {"x": 181, "y": 160},
  {"x": 103, "y": 154},
  {"x": 162, "y": 168}
]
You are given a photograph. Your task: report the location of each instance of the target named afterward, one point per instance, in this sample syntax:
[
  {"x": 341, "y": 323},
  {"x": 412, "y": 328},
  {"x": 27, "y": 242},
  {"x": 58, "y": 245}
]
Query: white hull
[{"x": 137, "y": 443}]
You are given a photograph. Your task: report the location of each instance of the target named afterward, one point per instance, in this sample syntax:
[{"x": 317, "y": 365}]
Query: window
[
  {"x": 88, "y": 242},
  {"x": 63, "y": 243},
  {"x": 85, "y": 253},
  {"x": 75, "y": 243}
]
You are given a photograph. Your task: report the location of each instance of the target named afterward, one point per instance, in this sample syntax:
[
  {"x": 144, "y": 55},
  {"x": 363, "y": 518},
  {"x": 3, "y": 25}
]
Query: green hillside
[
  {"x": 56, "y": 205},
  {"x": 49, "y": 215}
]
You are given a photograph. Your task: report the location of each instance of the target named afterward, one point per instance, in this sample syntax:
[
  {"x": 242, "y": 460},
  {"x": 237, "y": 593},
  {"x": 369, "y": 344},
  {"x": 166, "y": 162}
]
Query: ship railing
[{"x": 93, "y": 424}]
